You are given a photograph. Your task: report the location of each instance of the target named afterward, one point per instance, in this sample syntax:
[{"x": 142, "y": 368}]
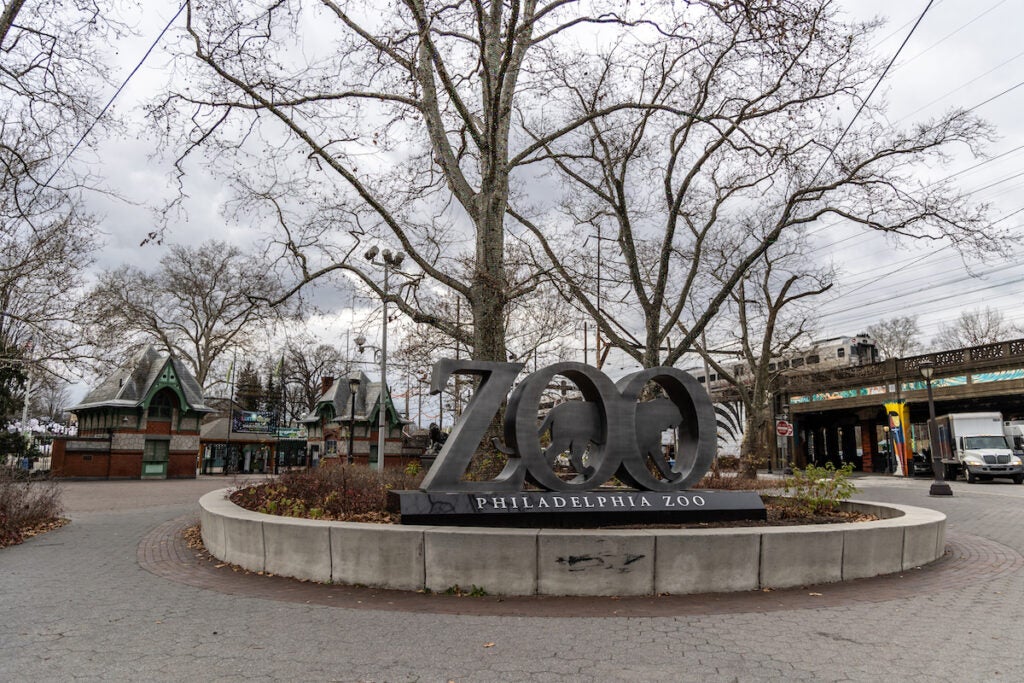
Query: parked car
[{"x": 921, "y": 464}]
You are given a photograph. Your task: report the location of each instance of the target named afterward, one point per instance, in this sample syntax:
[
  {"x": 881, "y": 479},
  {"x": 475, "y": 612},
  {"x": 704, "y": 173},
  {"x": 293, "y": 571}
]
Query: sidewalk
[{"x": 84, "y": 602}]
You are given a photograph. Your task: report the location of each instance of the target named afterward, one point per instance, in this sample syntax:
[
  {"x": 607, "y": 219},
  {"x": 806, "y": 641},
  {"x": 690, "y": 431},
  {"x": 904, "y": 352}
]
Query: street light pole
[
  {"x": 389, "y": 260},
  {"x": 353, "y": 387},
  {"x": 382, "y": 413},
  {"x": 939, "y": 486}
]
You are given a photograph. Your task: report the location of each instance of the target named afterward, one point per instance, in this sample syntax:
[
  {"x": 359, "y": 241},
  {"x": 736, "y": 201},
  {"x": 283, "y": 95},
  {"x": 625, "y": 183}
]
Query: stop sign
[{"x": 783, "y": 428}]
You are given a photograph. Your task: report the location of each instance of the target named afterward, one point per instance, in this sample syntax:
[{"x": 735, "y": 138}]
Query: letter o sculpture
[{"x": 615, "y": 449}]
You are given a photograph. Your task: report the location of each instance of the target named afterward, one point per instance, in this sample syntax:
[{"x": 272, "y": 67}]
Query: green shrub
[{"x": 819, "y": 489}]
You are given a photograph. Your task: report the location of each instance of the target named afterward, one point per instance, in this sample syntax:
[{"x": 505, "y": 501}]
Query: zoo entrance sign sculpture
[{"x": 609, "y": 434}]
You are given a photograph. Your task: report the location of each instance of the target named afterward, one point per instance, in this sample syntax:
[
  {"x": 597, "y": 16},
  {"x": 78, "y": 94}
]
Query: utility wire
[
  {"x": 950, "y": 35},
  {"x": 964, "y": 85},
  {"x": 864, "y": 103},
  {"x": 113, "y": 97}
]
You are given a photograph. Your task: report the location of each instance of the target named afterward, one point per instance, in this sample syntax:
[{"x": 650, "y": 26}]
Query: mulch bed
[
  {"x": 779, "y": 514},
  {"x": 34, "y": 530}
]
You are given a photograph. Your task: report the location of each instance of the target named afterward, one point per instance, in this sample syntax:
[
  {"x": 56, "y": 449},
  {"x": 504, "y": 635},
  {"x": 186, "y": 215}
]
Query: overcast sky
[{"x": 963, "y": 54}]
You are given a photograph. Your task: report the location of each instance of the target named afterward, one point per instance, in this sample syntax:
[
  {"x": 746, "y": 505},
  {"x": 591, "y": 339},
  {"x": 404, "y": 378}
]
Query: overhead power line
[
  {"x": 113, "y": 97},
  {"x": 864, "y": 103}
]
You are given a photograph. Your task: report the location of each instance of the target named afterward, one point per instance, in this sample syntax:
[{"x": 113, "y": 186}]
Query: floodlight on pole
[{"x": 389, "y": 260}]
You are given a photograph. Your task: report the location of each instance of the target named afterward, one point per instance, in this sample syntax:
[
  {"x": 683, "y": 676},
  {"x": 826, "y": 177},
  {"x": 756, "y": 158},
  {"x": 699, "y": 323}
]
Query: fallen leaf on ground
[{"x": 488, "y": 644}]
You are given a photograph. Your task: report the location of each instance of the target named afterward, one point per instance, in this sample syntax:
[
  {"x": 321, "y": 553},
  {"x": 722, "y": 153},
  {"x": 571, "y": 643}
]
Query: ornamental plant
[
  {"x": 814, "y": 490},
  {"x": 346, "y": 492}
]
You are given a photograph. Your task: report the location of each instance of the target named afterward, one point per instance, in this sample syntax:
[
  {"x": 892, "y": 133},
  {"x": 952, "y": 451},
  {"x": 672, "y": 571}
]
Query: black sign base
[{"x": 610, "y": 507}]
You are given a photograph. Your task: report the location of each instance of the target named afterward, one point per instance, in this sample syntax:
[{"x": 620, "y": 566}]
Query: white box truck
[
  {"x": 974, "y": 444},
  {"x": 1014, "y": 432}
]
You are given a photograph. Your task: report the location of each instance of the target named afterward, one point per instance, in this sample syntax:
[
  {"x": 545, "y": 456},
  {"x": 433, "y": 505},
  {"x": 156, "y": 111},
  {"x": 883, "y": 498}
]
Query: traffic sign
[{"x": 783, "y": 428}]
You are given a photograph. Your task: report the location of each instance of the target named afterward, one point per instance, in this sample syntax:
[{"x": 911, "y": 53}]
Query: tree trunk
[
  {"x": 754, "y": 451},
  {"x": 488, "y": 298}
]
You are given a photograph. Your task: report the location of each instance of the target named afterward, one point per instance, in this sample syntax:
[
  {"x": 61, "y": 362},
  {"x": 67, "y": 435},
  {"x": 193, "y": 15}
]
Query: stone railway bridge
[{"x": 839, "y": 416}]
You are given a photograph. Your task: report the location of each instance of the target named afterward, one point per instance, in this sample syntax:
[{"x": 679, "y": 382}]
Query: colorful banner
[
  {"x": 255, "y": 422},
  {"x": 899, "y": 416}
]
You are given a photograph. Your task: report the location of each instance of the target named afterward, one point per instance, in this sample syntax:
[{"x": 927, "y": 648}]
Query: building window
[
  {"x": 841, "y": 353},
  {"x": 161, "y": 407},
  {"x": 797, "y": 362},
  {"x": 771, "y": 366},
  {"x": 156, "y": 451},
  {"x": 813, "y": 360},
  {"x": 330, "y": 447}
]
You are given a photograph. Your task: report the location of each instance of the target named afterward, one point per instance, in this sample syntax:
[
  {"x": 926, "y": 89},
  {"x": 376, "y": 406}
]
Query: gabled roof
[
  {"x": 338, "y": 397},
  {"x": 132, "y": 386}
]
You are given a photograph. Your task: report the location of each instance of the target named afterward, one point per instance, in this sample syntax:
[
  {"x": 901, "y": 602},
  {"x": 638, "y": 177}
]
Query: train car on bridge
[{"x": 823, "y": 354}]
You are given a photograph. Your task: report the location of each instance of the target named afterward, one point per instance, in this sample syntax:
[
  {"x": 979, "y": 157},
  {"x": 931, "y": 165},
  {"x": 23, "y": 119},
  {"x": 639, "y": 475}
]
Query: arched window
[{"x": 162, "y": 405}]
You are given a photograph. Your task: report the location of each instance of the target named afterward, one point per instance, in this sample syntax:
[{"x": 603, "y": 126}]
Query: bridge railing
[{"x": 910, "y": 367}]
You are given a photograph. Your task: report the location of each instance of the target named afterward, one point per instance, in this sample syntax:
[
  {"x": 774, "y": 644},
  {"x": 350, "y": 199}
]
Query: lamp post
[
  {"x": 353, "y": 387},
  {"x": 388, "y": 260},
  {"x": 939, "y": 486}
]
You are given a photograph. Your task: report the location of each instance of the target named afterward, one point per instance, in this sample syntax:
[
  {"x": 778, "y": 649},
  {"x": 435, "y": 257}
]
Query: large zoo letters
[{"x": 621, "y": 436}]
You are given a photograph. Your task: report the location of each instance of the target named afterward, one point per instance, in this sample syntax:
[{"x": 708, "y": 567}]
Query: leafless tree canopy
[
  {"x": 767, "y": 317},
  {"x": 975, "y": 328},
  {"x": 200, "y": 303},
  {"x": 897, "y": 337},
  {"x": 51, "y": 62},
  {"x": 413, "y": 119},
  {"x": 736, "y": 141},
  {"x": 695, "y": 133},
  {"x": 306, "y": 364}
]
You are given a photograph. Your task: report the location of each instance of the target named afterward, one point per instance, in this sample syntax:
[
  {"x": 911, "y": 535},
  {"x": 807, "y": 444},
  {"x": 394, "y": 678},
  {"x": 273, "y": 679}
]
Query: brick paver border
[{"x": 165, "y": 552}]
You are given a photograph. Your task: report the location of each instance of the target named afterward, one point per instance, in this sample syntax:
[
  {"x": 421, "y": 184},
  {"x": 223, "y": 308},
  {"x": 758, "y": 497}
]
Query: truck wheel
[
  {"x": 969, "y": 476},
  {"x": 1018, "y": 479}
]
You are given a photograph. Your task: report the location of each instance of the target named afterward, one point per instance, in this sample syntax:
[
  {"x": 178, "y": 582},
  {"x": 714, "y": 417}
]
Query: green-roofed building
[{"x": 142, "y": 422}]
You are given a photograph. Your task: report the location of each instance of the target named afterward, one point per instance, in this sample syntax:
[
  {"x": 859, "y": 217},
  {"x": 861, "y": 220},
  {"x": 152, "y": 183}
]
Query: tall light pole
[
  {"x": 353, "y": 387},
  {"x": 389, "y": 260},
  {"x": 939, "y": 486}
]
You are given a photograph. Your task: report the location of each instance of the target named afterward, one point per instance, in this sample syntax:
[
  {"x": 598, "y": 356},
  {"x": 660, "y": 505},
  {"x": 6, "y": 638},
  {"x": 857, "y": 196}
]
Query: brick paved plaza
[{"x": 117, "y": 595}]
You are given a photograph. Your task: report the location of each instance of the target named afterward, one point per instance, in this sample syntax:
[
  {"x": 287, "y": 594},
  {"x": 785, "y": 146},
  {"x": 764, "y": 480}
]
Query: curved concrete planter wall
[{"x": 573, "y": 561}]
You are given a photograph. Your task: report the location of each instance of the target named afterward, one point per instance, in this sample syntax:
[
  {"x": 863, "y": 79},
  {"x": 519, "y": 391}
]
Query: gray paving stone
[{"x": 77, "y": 605}]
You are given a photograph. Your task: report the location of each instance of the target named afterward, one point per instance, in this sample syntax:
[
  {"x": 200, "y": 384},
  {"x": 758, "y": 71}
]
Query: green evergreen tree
[
  {"x": 272, "y": 399},
  {"x": 12, "y": 382},
  {"x": 248, "y": 388}
]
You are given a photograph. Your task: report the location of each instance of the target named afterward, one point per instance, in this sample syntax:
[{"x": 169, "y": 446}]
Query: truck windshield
[{"x": 974, "y": 442}]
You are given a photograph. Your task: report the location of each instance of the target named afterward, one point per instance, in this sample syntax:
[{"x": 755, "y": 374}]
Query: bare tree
[
  {"x": 51, "y": 399},
  {"x": 735, "y": 148},
  {"x": 412, "y": 119},
  {"x": 200, "y": 303},
  {"x": 768, "y": 315},
  {"x": 975, "y": 328},
  {"x": 306, "y": 363},
  {"x": 897, "y": 337},
  {"x": 52, "y": 57}
]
